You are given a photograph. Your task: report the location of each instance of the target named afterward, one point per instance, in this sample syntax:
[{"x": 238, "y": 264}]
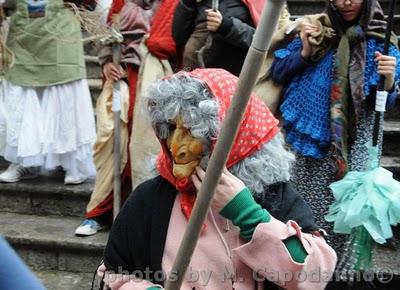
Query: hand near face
[
  {"x": 214, "y": 20},
  {"x": 227, "y": 187},
  {"x": 387, "y": 68}
]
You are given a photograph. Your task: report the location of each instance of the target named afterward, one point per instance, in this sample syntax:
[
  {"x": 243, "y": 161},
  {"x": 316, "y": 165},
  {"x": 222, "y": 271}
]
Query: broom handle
[
  {"x": 381, "y": 84},
  {"x": 247, "y": 79}
]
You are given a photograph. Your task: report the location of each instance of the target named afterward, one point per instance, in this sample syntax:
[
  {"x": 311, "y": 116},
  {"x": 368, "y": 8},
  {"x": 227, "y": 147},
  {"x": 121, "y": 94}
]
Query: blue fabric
[
  {"x": 306, "y": 106},
  {"x": 392, "y": 97},
  {"x": 371, "y": 75},
  {"x": 92, "y": 223},
  {"x": 295, "y": 62},
  {"x": 13, "y": 272}
]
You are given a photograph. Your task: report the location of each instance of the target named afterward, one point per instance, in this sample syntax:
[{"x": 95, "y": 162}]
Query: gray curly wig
[{"x": 191, "y": 98}]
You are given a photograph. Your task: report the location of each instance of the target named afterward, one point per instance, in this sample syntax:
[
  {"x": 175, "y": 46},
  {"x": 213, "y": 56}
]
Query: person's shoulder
[
  {"x": 290, "y": 205},
  {"x": 282, "y": 187},
  {"x": 141, "y": 202},
  {"x": 286, "y": 193},
  {"x": 150, "y": 184},
  {"x": 150, "y": 190}
]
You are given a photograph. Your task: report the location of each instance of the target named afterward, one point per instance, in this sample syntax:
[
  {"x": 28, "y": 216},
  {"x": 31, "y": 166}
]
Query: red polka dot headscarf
[
  {"x": 258, "y": 125},
  {"x": 257, "y": 128}
]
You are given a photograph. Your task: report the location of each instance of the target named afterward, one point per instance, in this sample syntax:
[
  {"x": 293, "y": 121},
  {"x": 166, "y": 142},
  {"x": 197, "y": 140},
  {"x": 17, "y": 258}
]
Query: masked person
[
  {"x": 45, "y": 105},
  {"x": 257, "y": 223},
  {"x": 328, "y": 106}
]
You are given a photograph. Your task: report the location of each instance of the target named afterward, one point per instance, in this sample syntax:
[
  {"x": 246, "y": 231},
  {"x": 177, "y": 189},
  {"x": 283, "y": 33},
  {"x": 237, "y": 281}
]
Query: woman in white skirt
[{"x": 46, "y": 114}]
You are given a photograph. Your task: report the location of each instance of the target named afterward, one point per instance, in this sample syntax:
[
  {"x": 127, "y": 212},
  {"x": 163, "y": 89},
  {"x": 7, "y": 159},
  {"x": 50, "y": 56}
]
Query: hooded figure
[
  {"x": 258, "y": 228},
  {"x": 328, "y": 104}
]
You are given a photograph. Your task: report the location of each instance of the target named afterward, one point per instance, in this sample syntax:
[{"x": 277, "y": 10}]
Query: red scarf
[
  {"x": 257, "y": 128},
  {"x": 255, "y": 8},
  {"x": 115, "y": 8},
  {"x": 160, "y": 42}
]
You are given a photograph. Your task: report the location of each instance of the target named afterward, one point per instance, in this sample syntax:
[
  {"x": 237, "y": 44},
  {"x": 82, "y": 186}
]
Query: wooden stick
[{"x": 247, "y": 79}]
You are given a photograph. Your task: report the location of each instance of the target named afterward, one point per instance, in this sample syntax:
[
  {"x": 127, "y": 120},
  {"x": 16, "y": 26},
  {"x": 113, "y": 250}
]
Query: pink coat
[{"x": 221, "y": 252}]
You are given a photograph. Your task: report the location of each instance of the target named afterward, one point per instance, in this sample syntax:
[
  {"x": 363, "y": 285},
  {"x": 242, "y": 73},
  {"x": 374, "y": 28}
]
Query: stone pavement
[{"x": 38, "y": 217}]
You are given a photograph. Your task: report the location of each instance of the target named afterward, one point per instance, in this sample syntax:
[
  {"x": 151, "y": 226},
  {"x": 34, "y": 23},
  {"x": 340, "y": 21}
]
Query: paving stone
[
  {"x": 394, "y": 113},
  {"x": 37, "y": 257},
  {"x": 15, "y": 202},
  {"x": 49, "y": 243},
  {"x": 391, "y": 140},
  {"x": 387, "y": 257},
  {"x": 392, "y": 163},
  {"x": 95, "y": 86},
  {"x": 62, "y": 280},
  {"x": 79, "y": 261},
  {"x": 93, "y": 69},
  {"x": 45, "y": 196}
]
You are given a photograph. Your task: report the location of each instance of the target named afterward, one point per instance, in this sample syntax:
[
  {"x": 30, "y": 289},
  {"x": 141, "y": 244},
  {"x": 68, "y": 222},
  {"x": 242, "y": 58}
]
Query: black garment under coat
[
  {"x": 137, "y": 238},
  {"x": 230, "y": 42}
]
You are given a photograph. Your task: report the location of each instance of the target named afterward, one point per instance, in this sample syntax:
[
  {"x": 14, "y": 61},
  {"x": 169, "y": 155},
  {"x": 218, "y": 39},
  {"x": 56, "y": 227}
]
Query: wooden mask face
[{"x": 186, "y": 150}]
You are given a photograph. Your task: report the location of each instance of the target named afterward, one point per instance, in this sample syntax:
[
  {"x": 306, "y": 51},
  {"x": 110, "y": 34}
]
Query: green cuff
[
  {"x": 245, "y": 213},
  {"x": 296, "y": 249},
  {"x": 153, "y": 288}
]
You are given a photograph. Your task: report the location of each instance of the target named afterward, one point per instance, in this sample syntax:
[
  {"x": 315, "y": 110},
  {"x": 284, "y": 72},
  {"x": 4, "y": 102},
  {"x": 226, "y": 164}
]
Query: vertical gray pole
[
  {"x": 215, "y": 5},
  {"x": 116, "y": 108},
  {"x": 247, "y": 79},
  {"x": 381, "y": 103}
]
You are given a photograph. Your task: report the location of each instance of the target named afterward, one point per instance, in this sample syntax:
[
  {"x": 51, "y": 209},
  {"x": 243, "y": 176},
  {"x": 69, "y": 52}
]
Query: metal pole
[
  {"x": 209, "y": 39},
  {"x": 116, "y": 108},
  {"x": 215, "y": 5},
  {"x": 247, "y": 79},
  {"x": 381, "y": 103}
]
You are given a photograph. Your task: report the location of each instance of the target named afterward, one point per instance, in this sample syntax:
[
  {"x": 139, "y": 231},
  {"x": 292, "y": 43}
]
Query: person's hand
[
  {"x": 305, "y": 29},
  {"x": 387, "y": 68},
  {"x": 111, "y": 72},
  {"x": 228, "y": 186},
  {"x": 214, "y": 20}
]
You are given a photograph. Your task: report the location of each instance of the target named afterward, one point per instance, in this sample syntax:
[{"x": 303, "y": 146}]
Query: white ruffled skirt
[{"x": 48, "y": 127}]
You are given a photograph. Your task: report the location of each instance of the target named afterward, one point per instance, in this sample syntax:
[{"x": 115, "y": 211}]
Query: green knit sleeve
[{"x": 246, "y": 213}]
